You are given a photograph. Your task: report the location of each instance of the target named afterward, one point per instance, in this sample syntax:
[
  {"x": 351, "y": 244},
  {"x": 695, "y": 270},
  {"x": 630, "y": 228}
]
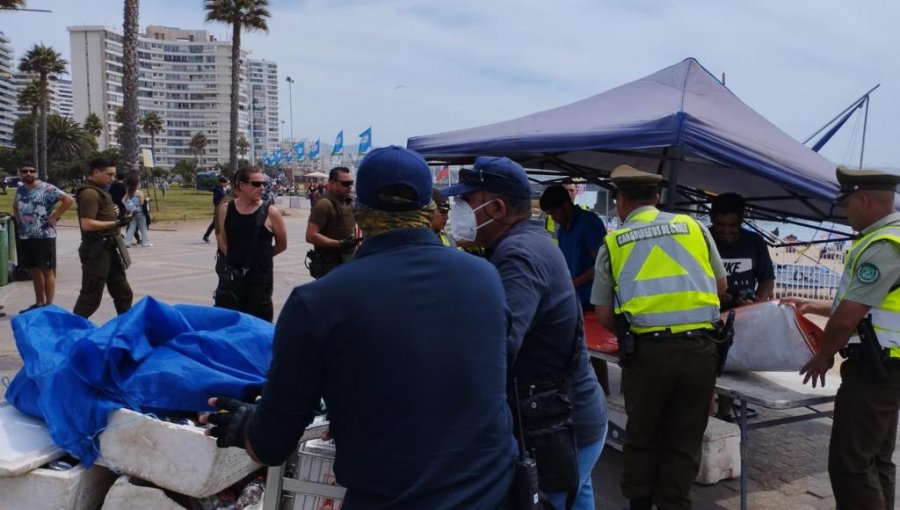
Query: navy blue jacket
[
  {"x": 407, "y": 345},
  {"x": 545, "y": 312}
]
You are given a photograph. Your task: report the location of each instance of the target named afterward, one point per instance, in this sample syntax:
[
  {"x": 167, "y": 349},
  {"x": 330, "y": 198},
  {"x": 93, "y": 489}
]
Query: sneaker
[{"x": 205, "y": 239}]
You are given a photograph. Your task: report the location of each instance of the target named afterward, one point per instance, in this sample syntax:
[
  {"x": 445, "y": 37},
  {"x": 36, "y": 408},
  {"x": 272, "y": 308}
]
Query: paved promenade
[{"x": 788, "y": 465}]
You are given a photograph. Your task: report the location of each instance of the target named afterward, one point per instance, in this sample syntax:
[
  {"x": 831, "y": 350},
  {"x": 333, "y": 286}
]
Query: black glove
[
  {"x": 124, "y": 220},
  {"x": 230, "y": 422},
  {"x": 349, "y": 243}
]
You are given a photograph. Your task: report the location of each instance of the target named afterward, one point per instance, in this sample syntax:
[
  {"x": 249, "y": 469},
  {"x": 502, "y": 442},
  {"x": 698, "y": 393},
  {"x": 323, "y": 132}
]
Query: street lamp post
[{"x": 290, "y": 81}]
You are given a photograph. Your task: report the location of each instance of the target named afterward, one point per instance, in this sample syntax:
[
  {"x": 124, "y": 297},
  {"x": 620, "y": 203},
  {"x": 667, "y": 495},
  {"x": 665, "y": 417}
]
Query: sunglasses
[
  {"x": 32, "y": 171},
  {"x": 255, "y": 184},
  {"x": 345, "y": 184},
  {"x": 444, "y": 210}
]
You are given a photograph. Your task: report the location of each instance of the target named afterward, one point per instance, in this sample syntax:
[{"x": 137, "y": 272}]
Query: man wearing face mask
[{"x": 547, "y": 354}]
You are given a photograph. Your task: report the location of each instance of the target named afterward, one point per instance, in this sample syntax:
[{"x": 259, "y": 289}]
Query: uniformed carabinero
[
  {"x": 100, "y": 262},
  {"x": 865, "y": 410},
  {"x": 662, "y": 272}
]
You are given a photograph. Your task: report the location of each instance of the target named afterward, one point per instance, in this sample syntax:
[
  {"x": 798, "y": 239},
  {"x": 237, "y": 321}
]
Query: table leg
[{"x": 744, "y": 453}]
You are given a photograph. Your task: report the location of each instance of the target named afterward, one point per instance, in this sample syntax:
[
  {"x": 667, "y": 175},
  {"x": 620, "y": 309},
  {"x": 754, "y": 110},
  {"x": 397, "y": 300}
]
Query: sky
[{"x": 415, "y": 67}]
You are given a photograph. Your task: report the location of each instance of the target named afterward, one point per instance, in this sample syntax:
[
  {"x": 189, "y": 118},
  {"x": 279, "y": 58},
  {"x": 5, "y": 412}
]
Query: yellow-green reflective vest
[
  {"x": 445, "y": 240},
  {"x": 550, "y": 225},
  {"x": 663, "y": 278},
  {"x": 886, "y": 316}
]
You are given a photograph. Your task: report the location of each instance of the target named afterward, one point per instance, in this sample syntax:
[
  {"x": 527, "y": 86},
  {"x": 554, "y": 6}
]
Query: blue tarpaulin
[
  {"x": 153, "y": 358},
  {"x": 681, "y": 122}
]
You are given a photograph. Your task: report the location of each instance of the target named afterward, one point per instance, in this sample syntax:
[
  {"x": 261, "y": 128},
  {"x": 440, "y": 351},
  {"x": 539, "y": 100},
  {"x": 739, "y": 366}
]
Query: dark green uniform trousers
[
  {"x": 668, "y": 387},
  {"x": 862, "y": 439},
  {"x": 100, "y": 267}
]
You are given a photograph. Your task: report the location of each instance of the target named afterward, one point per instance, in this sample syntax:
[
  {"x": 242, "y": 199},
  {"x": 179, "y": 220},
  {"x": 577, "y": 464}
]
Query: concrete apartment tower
[
  {"x": 263, "y": 108},
  {"x": 185, "y": 77},
  {"x": 8, "y": 92}
]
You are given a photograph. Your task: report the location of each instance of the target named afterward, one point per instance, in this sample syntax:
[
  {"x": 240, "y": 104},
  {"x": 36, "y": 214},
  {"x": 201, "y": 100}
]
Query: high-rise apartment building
[
  {"x": 263, "y": 108},
  {"x": 184, "y": 76},
  {"x": 8, "y": 93},
  {"x": 60, "y": 95}
]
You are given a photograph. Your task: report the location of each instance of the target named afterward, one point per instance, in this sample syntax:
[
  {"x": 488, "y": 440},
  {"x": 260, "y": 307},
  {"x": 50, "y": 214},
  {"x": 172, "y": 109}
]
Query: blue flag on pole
[
  {"x": 288, "y": 156},
  {"x": 265, "y": 158},
  {"x": 298, "y": 150},
  {"x": 365, "y": 140},
  {"x": 338, "y": 144},
  {"x": 314, "y": 151},
  {"x": 276, "y": 158}
]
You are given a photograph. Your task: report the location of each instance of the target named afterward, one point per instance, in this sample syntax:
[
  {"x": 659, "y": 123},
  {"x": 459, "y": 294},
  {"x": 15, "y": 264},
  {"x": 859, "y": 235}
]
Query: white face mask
[{"x": 462, "y": 224}]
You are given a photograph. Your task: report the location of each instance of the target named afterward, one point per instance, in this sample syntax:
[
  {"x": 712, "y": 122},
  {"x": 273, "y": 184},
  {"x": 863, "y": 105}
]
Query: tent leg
[{"x": 672, "y": 190}]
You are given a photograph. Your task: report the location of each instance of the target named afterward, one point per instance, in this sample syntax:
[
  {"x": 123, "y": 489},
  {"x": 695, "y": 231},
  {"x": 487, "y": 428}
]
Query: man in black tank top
[{"x": 247, "y": 229}]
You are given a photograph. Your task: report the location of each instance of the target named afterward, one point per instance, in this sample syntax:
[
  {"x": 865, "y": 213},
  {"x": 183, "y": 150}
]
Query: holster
[
  {"x": 724, "y": 341},
  {"x": 627, "y": 340},
  {"x": 871, "y": 354},
  {"x": 546, "y": 413}
]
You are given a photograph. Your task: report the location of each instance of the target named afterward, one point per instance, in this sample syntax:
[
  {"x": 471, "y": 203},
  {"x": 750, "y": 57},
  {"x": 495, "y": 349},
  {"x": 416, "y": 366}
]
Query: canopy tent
[
  {"x": 316, "y": 175},
  {"x": 680, "y": 122}
]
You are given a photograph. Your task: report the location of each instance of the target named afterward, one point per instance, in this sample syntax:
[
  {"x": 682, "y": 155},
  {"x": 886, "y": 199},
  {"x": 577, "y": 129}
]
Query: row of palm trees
[{"x": 47, "y": 64}]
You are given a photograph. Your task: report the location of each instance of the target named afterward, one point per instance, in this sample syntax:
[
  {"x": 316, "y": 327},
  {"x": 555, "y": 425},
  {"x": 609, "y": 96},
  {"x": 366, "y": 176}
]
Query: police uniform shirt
[
  {"x": 877, "y": 270},
  {"x": 602, "y": 292}
]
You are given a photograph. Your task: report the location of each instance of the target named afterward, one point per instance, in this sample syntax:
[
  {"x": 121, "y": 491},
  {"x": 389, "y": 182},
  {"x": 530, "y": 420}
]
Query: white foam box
[
  {"x": 720, "y": 457},
  {"x": 315, "y": 460},
  {"x": 47, "y": 489},
  {"x": 125, "y": 495},
  {"x": 25, "y": 443},
  {"x": 179, "y": 458}
]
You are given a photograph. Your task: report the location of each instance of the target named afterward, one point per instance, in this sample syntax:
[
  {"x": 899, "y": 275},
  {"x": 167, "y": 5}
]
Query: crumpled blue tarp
[{"x": 154, "y": 358}]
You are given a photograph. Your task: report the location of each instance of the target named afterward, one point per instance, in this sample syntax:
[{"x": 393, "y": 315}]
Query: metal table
[{"x": 772, "y": 390}]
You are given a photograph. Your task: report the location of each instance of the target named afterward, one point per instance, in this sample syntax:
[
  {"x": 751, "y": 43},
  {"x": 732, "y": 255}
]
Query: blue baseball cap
[
  {"x": 386, "y": 168},
  {"x": 495, "y": 175}
]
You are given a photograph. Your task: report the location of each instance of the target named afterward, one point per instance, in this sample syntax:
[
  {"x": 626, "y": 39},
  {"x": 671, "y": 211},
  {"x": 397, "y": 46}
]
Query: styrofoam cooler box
[
  {"x": 179, "y": 458},
  {"x": 125, "y": 495},
  {"x": 315, "y": 459},
  {"x": 25, "y": 443},
  {"x": 47, "y": 489},
  {"x": 720, "y": 457}
]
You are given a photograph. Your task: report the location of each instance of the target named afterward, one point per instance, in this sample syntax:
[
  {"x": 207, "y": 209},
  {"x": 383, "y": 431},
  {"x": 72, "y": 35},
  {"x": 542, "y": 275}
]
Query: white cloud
[{"x": 410, "y": 67}]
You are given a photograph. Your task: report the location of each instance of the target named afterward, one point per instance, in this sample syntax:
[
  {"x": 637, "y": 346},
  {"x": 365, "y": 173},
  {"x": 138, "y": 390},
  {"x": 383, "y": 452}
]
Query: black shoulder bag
[
  {"x": 549, "y": 430},
  {"x": 231, "y": 279}
]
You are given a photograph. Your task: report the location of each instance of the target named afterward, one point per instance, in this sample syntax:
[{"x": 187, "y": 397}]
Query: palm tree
[
  {"x": 12, "y": 4},
  {"x": 197, "y": 146},
  {"x": 152, "y": 124},
  {"x": 93, "y": 125},
  {"x": 130, "y": 113},
  {"x": 46, "y": 63},
  {"x": 67, "y": 140},
  {"x": 240, "y": 14},
  {"x": 243, "y": 146},
  {"x": 30, "y": 97}
]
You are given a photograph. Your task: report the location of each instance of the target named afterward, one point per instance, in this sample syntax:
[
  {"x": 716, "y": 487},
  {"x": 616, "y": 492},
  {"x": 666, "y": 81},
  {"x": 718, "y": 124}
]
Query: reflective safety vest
[
  {"x": 886, "y": 316},
  {"x": 550, "y": 225},
  {"x": 445, "y": 239},
  {"x": 663, "y": 278}
]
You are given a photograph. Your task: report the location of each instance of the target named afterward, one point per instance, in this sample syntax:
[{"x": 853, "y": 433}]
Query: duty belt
[
  {"x": 854, "y": 352},
  {"x": 667, "y": 334}
]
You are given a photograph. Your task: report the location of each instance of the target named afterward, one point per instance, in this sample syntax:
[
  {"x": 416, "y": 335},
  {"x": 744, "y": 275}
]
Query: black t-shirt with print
[{"x": 747, "y": 262}]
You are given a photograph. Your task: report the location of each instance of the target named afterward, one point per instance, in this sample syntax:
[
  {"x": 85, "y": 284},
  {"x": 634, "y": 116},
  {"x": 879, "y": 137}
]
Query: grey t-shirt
[{"x": 602, "y": 293}]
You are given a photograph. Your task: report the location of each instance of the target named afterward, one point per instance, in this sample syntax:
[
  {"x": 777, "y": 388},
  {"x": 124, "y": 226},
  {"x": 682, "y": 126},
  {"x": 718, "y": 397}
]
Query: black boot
[{"x": 641, "y": 504}]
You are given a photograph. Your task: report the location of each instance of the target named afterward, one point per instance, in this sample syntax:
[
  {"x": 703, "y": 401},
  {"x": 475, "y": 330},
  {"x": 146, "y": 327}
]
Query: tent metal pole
[
  {"x": 672, "y": 189},
  {"x": 845, "y": 110}
]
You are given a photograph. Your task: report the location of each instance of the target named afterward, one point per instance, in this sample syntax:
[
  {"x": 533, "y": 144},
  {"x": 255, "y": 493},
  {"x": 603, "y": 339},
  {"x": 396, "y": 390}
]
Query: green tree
[
  {"x": 197, "y": 146},
  {"x": 93, "y": 125},
  {"x": 67, "y": 140},
  {"x": 186, "y": 168},
  {"x": 242, "y": 15},
  {"x": 243, "y": 146},
  {"x": 152, "y": 124},
  {"x": 47, "y": 63},
  {"x": 30, "y": 97},
  {"x": 130, "y": 108},
  {"x": 12, "y": 4}
]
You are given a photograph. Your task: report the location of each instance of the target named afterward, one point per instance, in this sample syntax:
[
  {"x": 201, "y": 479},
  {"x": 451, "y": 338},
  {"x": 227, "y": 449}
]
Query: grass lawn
[{"x": 178, "y": 204}]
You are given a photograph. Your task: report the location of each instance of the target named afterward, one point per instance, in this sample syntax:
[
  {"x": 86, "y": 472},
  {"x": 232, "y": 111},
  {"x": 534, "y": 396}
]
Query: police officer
[
  {"x": 865, "y": 410},
  {"x": 662, "y": 272},
  {"x": 101, "y": 262},
  {"x": 439, "y": 220}
]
